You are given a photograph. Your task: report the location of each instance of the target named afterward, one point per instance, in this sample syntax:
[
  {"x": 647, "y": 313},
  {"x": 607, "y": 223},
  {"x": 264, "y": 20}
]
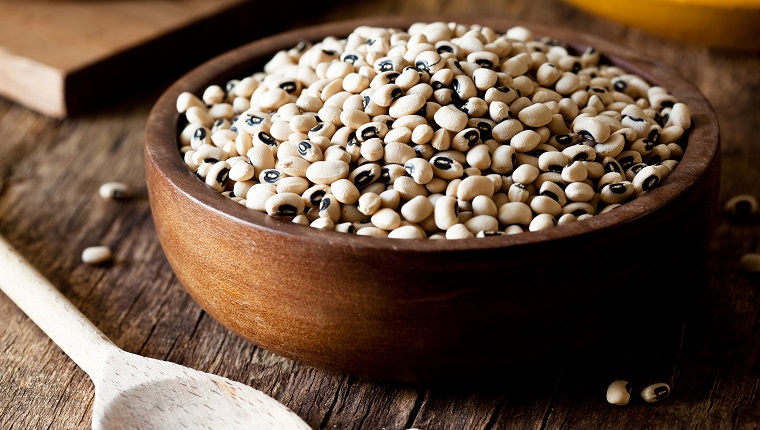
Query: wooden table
[{"x": 50, "y": 171}]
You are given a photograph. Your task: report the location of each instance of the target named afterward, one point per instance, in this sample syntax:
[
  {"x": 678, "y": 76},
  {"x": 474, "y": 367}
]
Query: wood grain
[
  {"x": 49, "y": 209},
  {"x": 60, "y": 57}
]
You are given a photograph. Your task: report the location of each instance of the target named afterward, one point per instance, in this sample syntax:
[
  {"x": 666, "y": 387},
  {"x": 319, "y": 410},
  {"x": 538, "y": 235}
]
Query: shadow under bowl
[{"x": 432, "y": 310}]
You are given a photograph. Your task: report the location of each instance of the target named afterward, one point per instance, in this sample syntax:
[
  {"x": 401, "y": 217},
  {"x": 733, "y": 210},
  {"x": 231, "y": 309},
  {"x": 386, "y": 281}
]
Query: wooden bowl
[{"x": 414, "y": 310}]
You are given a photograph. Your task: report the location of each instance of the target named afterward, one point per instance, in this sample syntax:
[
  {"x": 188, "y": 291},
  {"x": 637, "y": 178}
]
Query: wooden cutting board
[{"x": 60, "y": 57}]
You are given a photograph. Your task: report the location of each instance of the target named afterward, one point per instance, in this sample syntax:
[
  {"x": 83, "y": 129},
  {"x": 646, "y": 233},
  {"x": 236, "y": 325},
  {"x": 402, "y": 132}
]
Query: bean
[
  {"x": 96, "y": 255},
  {"x": 525, "y": 174},
  {"x": 542, "y": 222},
  {"x": 655, "y": 392},
  {"x": 114, "y": 190},
  {"x": 742, "y": 205},
  {"x": 284, "y": 204},
  {"x": 450, "y": 118},
  {"x": 257, "y": 196},
  {"x": 458, "y": 231},
  {"x": 619, "y": 392},
  {"x": 536, "y": 115},
  {"x": 420, "y": 170},
  {"x": 473, "y": 186},
  {"x": 646, "y": 179},
  {"x": 417, "y": 209},
  {"x": 750, "y": 262},
  {"x": 327, "y": 172}
]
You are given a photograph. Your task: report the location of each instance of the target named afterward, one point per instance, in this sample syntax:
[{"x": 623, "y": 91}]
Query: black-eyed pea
[
  {"x": 515, "y": 213},
  {"x": 407, "y": 232},
  {"x": 371, "y": 231},
  {"x": 240, "y": 188},
  {"x": 617, "y": 192},
  {"x": 330, "y": 114},
  {"x": 475, "y": 107},
  {"x": 406, "y": 105},
  {"x": 592, "y": 129},
  {"x": 742, "y": 205},
  {"x": 372, "y": 129},
  {"x": 312, "y": 197},
  {"x": 353, "y": 118},
  {"x": 479, "y": 223},
  {"x": 513, "y": 229},
  {"x": 242, "y": 171},
  {"x": 292, "y": 184},
  {"x": 446, "y": 168},
  {"x": 345, "y": 191},
  {"x": 369, "y": 203},
  {"x": 309, "y": 151},
  {"x": 609, "y": 178},
  {"x": 114, "y": 191},
  {"x": 518, "y": 193},
  {"x": 458, "y": 231},
  {"x": 536, "y": 115},
  {"x": 284, "y": 204},
  {"x": 365, "y": 174},
  {"x": 680, "y": 115},
  {"x": 422, "y": 134},
  {"x": 473, "y": 186},
  {"x": 301, "y": 219},
  {"x": 390, "y": 172},
  {"x": 257, "y": 196},
  {"x": 553, "y": 161},
  {"x": 580, "y": 152},
  {"x": 550, "y": 189},
  {"x": 465, "y": 139},
  {"x": 327, "y": 172},
  {"x": 293, "y": 166},
  {"x": 446, "y": 213},
  {"x": 390, "y": 199},
  {"x": 209, "y": 154},
  {"x": 329, "y": 207},
  {"x": 525, "y": 174},
  {"x": 525, "y": 141},
  {"x": 484, "y": 79},
  {"x": 408, "y": 78},
  {"x": 323, "y": 224},
  {"x": 518, "y": 105},
  {"x": 336, "y": 153},
  {"x": 386, "y": 219},
  {"x": 619, "y": 392},
  {"x": 441, "y": 139},
  {"x": 408, "y": 188},
  {"x": 417, "y": 209},
  {"x": 646, "y": 179},
  {"x": 450, "y": 118},
  {"x": 542, "y": 221},
  {"x": 345, "y": 227},
  {"x": 564, "y": 141},
  {"x": 566, "y": 219},
  {"x": 398, "y": 153},
  {"x": 551, "y": 177},
  {"x": 658, "y": 154},
  {"x": 613, "y": 146},
  {"x": 567, "y": 84},
  {"x": 400, "y": 134},
  {"x": 628, "y": 159},
  {"x": 386, "y": 94},
  {"x": 424, "y": 151},
  {"x": 542, "y": 204},
  {"x": 187, "y": 100},
  {"x": 218, "y": 176},
  {"x": 437, "y": 185},
  {"x": 350, "y": 213},
  {"x": 655, "y": 392},
  {"x": 579, "y": 192},
  {"x": 482, "y": 205},
  {"x": 579, "y": 209},
  {"x": 420, "y": 170},
  {"x": 372, "y": 150},
  {"x": 576, "y": 171}
]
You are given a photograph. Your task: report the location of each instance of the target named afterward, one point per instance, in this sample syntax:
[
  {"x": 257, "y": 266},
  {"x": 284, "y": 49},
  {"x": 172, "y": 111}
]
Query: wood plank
[{"x": 59, "y": 57}]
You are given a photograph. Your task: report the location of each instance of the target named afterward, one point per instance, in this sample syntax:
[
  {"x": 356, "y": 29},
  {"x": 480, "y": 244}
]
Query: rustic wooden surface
[{"x": 50, "y": 171}]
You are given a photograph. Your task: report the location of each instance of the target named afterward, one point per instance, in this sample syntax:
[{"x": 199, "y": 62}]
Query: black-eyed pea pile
[{"x": 441, "y": 130}]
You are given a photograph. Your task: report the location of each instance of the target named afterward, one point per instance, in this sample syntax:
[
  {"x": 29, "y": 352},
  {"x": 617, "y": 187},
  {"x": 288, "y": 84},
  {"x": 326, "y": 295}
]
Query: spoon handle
[{"x": 52, "y": 312}]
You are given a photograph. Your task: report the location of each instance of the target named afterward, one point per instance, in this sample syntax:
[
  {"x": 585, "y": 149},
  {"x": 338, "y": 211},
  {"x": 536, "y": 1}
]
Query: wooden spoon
[{"x": 134, "y": 392}]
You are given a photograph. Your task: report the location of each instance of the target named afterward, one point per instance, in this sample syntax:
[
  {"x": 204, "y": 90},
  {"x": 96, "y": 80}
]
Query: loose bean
[
  {"x": 619, "y": 392},
  {"x": 742, "y": 205},
  {"x": 655, "y": 392},
  {"x": 114, "y": 190},
  {"x": 96, "y": 255}
]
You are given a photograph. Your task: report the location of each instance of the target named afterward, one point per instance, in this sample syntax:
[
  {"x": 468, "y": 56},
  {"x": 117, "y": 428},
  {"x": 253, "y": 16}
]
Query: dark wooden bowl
[{"x": 432, "y": 310}]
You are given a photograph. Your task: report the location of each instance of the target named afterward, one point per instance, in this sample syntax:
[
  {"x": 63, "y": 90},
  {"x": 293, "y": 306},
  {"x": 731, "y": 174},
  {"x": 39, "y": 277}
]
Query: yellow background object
[{"x": 733, "y": 24}]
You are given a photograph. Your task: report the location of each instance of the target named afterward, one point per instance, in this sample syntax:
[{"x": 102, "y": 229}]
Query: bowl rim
[{"x": 161, "y": 139}]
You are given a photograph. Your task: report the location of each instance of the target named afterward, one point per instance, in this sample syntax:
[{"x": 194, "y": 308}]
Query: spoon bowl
[{"x": 134, "y": 392}]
